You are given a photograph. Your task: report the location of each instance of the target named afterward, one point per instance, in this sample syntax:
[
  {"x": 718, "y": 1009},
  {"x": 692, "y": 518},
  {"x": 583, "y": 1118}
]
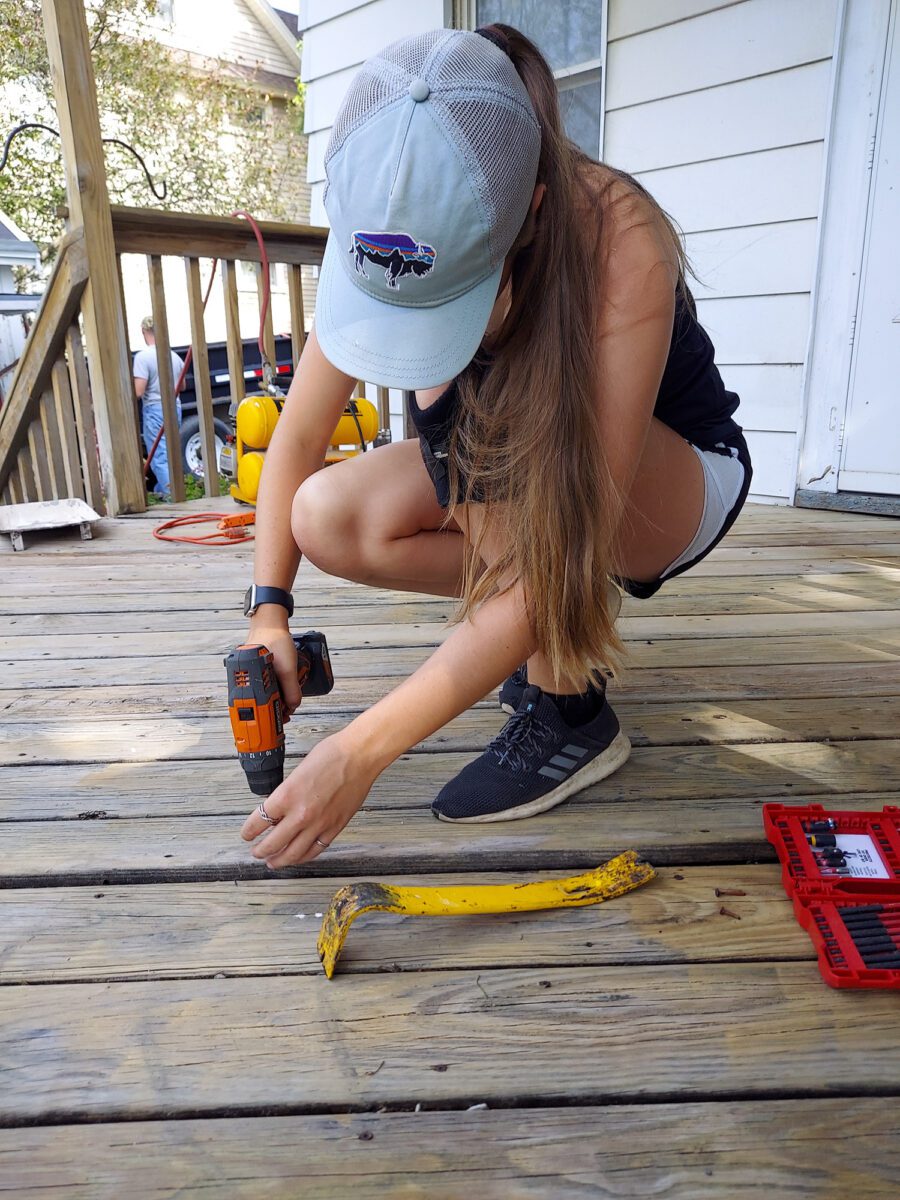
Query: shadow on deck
[{"x": 651, "y": 1045}]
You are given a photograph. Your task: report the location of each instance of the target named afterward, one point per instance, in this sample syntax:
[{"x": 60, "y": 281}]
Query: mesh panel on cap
[
  {"x": 381, "y": 80},
  {"x": 474, "y": 58},
  {"x": 411, "y": 54},
  {"x": 504, "y": 151},
  {"x": 372, "y": 89}
]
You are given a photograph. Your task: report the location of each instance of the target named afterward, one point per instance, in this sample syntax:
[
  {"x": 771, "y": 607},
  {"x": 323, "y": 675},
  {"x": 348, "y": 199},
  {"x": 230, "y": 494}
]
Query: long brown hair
[{"x": 527, "y": 441}]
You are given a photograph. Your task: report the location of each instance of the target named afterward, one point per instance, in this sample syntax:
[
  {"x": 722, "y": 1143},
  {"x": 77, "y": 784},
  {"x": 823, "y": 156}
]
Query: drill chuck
[{"x": 263, "y": 778}]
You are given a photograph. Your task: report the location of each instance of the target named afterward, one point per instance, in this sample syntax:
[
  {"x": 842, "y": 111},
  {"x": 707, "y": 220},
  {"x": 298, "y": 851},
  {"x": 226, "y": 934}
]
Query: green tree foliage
[{"x": 214, "y": 137}]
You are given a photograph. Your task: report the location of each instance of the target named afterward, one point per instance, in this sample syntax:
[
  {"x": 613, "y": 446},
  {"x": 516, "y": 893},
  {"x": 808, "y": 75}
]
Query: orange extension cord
[{"x": 231, "y": 529}]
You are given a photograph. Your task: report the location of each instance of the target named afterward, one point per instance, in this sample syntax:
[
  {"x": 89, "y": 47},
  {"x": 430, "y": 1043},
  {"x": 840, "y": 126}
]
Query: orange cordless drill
[{"x": 255, "y": 704}]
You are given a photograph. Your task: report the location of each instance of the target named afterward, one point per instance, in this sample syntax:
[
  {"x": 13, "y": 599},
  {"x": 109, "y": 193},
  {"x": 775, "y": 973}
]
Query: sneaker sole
[{"x": 614, "y": 756}]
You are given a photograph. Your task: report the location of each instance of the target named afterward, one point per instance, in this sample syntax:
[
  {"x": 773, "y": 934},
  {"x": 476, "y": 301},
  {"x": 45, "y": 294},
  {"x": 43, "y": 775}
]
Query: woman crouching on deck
[{"x": 573, "y": 428}]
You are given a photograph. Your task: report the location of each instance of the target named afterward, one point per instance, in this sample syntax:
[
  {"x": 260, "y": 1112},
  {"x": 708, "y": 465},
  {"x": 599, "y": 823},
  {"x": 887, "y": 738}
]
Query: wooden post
[
  {"x": 53, "y": 444},
  {"x": 384, "y": 408},
  {"x": 39, "y": 464},
  {"x": 202, "y": 384},
  {"x": 66, "y": 32},
  {"x": 27, "y": 485},
  {"x": 298, "y": 330},
  {"x": 68, "y": 434},
  {"x": 84, "y": 419},
  {"x": 233, "y": 331},
  {"x": 166, "y": 380},
  {"x": 409, "y": 429},
  {"x": 268, "y": 327}
]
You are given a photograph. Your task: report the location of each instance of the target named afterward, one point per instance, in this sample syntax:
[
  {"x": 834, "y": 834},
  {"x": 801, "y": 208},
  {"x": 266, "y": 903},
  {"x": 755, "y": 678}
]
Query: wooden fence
[{"x": 50, "y": 444}]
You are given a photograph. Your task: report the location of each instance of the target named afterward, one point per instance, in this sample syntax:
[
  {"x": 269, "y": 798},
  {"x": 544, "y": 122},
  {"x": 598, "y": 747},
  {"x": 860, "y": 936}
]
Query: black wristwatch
[{"x": 267, "y": 595}]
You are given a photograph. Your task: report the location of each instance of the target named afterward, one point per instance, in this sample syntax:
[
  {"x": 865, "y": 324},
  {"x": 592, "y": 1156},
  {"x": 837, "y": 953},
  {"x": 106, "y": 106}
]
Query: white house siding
[{"x": 720, "y": 110}]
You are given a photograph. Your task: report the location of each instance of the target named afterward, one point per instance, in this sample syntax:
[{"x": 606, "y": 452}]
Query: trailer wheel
[{"x": 192, "y": 447}]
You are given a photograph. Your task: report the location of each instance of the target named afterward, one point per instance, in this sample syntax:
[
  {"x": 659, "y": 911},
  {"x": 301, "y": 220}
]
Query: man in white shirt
[{"x": 146, "y": 387}]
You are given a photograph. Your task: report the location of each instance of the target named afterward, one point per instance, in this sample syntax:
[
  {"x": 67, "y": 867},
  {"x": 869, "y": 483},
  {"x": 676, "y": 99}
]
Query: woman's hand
[
  {"x": 276, "y": 637},
  {"x": 313, "y": 804}
]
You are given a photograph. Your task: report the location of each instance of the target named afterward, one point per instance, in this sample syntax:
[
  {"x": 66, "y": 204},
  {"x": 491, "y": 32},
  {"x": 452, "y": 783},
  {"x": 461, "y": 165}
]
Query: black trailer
[{"x": 220, "y": 381}]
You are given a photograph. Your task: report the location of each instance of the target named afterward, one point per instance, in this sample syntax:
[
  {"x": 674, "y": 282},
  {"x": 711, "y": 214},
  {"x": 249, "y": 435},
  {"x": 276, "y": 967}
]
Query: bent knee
[{"x": 324, "y": 525}]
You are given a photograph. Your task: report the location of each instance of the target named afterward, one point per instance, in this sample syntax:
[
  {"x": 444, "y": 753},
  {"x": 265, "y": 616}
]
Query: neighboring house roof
[
  {"x": 275, "y": 25},
  {"x": 15, "y": 248},
  {"x": 291, "y": 21}
]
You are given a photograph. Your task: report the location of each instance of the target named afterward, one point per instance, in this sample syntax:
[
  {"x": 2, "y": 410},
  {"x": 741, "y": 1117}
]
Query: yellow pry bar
[{"x": 614, "y": 878}]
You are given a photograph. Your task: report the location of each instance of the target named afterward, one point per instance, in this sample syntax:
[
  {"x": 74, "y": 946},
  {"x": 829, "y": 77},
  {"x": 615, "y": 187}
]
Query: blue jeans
[{"x": 152, "y": 420}]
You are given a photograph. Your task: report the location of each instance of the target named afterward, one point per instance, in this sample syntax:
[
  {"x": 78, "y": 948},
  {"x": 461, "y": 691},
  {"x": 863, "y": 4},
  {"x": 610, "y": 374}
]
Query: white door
[{"x": 870, "y": 457}]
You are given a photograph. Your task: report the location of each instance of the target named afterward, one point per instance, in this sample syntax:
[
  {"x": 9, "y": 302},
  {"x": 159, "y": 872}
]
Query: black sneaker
[
  {"x": 535, "y": 762},
  {"x": 512, "y": 691}
]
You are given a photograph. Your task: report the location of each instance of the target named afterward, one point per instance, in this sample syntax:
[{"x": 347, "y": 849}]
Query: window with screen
[{"x": 570, "y": 37}]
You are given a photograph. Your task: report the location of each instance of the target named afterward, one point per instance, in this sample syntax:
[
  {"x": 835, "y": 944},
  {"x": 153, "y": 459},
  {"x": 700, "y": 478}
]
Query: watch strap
[{"x": 257, "y": 595}]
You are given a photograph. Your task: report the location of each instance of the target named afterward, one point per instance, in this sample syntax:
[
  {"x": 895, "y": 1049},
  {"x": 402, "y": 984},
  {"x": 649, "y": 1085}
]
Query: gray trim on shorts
[{"x": 723, "y": 479}]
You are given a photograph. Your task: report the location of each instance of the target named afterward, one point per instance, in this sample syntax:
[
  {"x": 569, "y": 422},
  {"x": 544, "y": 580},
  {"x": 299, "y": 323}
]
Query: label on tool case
[{"x": 863, "y": 859}]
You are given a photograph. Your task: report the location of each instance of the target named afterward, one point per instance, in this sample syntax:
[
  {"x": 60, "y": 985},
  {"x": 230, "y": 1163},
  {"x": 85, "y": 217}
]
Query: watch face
[{"x": 249, "y": 606}]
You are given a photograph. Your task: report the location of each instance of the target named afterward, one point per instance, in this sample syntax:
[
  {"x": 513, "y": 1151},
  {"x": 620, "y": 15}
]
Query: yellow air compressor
[{"x": 254, "y": 423}]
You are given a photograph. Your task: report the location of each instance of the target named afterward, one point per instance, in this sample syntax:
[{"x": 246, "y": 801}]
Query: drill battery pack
[{"x": 842, "y": 871}]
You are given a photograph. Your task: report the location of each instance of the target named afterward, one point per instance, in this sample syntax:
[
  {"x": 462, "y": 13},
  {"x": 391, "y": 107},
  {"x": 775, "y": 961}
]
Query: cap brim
[{"x": 395, "y": 345}]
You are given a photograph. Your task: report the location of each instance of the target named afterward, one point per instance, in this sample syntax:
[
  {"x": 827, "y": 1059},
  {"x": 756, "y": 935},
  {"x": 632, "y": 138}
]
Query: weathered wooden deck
[{"x": 166, "y": 1028}]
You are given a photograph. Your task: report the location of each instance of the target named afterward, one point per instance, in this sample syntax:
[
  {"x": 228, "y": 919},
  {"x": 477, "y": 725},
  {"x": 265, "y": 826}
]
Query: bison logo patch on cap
[{"x": 398, "y": 253}]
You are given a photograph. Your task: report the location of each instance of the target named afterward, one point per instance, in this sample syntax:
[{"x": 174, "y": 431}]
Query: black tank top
[{"x": 692, "y": 398}]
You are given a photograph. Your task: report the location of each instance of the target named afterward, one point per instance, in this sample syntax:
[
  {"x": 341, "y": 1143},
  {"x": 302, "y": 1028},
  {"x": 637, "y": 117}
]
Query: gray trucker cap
[{"x": 431, "y": 168}]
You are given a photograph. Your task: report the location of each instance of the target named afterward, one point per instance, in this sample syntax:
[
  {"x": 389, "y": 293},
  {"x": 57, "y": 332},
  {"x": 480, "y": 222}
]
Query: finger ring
[
  {"x": 265, "y": 816},
  {"x": 324, "y": 845}
]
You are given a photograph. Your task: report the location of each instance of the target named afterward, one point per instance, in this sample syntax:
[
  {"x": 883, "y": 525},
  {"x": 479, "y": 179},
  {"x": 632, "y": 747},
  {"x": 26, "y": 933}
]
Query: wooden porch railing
[
  {"x": 49, "y": 440},
  {"x": 48, "y": 447}
]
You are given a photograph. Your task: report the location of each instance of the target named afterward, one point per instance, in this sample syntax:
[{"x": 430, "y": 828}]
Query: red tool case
[{"x": 842, "y": 871}]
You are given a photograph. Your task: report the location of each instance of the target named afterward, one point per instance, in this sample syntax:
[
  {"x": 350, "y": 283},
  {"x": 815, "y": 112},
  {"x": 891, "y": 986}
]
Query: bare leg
[{"x": 374, "y": 519}]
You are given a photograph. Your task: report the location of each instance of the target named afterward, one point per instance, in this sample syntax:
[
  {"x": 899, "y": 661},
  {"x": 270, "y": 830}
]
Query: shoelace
[{"x": 520, "y": 736}]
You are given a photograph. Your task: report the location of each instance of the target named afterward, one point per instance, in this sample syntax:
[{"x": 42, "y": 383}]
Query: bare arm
[
  {"x": 317, "y": 396},
  {"x": 314, "y": 804},
  {"x": 633, "y": 334},
  {"x": 473, "y": 660},
  {"x": 140, "y": 386}
]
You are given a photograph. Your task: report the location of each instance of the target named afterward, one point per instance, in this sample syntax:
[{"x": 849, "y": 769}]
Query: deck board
[
  {"x": 693, "y": 722},
  {"x": 173, "y": 996},
  {"x": 267, "y": 927},
  {"x": 692, "y": 1151},
  {"x": 145, "y": 1050},
  {"x": 800, "y": 681}
]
